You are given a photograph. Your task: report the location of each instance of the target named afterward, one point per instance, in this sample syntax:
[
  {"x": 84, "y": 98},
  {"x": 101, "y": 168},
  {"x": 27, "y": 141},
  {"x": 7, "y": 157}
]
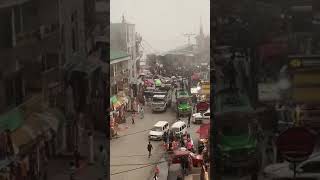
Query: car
[
  {"x": 194, "y": 160},
  {"x": 156, "y": 133},
  {"x": 198, "y": 118},
  {"x": 308, "y": 169}
]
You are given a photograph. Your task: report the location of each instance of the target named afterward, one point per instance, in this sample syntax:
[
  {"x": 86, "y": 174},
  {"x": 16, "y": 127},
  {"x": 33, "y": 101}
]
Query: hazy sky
[{"x": 162, "y": 23}]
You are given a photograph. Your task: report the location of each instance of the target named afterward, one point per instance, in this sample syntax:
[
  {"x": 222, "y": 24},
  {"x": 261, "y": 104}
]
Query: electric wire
[
  {"x": 141, "y": 167},
  {"x": 120, "y": 156},
  {"x": 159, "y": 162}
]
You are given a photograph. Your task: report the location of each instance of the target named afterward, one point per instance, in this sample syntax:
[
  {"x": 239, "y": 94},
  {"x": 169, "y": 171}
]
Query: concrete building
[
  {"x": 124, "y": 38},
  {"x": 119, "y": 71}
]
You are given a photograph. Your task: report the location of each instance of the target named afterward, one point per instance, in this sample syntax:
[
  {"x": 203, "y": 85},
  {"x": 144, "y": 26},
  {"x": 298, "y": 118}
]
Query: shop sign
[{"x": 194, "y": 90}]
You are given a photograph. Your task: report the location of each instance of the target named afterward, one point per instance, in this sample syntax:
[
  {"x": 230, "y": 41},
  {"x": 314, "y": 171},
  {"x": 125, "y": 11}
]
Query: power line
[
  {"x": 134, "y": 155},
  {"x": 141, "y": 167},
  {"x": 150, "y": 45},
  {"x": 138, "y": 164}
]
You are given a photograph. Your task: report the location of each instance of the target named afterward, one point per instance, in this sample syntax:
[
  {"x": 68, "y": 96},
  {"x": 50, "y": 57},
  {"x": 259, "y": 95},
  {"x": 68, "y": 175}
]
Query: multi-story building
[
  {"x": 124, "y": 38},
  {"x": 119, "y": 71}
]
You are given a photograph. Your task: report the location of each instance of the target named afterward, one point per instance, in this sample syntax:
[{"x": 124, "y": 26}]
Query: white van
[
  {"x": 156, "y": 133},
  {"x": 179, "y": 127}
]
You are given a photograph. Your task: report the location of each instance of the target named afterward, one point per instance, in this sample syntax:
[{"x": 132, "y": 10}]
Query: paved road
[{"x": 128, "y": 153}]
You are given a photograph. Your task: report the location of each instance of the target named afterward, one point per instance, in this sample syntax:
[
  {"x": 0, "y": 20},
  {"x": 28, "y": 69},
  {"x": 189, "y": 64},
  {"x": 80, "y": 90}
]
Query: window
[{"x": 311, "y": 167}]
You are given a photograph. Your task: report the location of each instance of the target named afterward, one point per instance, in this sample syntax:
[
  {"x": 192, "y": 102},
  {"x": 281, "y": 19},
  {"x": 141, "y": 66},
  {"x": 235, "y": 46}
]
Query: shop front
[
  {"x": 34, "y": 143},
  {"x": 118, "y": 107}
]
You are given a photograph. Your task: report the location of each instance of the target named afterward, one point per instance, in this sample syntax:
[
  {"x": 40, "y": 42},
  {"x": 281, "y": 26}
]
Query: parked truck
[{"x": 161, "y": 100}]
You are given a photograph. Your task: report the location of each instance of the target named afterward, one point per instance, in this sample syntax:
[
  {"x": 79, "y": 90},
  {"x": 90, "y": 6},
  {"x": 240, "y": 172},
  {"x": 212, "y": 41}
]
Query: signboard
[
  {"x": 202, "y": 106},
  {"x": 296, "y": 144},
  {"x": 268, "y": 92},
  {"x": 194, "y": 90}
]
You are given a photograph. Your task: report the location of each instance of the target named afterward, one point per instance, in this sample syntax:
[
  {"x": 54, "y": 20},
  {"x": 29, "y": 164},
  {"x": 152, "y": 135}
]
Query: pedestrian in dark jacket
[
  {"x": 164, "y": 137},
  {"x": 189, "y": 123},
  {"x": 149, "y": 147},
  {"x": 132, "y": 118}
]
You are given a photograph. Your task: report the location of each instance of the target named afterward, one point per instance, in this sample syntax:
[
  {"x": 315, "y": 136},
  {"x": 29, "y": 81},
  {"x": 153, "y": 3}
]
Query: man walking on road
[
  {"x": 189, "y": 124},
  {"x": 149, "y": 148},
  {"x": 132, "y": 118},
  {"x": 141, "y": 112}
]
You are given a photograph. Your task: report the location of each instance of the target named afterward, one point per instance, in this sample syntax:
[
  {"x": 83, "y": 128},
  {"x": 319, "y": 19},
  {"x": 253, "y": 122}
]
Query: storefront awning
[
  {"x": 115, "y": 102},
  {"x": 35, "y": 125}
]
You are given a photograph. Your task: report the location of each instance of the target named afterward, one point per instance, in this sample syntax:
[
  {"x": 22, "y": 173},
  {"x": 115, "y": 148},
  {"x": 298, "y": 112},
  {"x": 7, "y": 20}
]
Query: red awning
[{"x": 204, "y": 131}]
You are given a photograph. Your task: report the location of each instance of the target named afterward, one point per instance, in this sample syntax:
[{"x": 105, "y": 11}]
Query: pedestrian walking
[
  {"x": 149, "y": 147},
  {"x": 155, "y": 177},
  {"x": 141, "y": 112},
  {"x": 132, "y": 118},
  {"x": 189, "y": 123},
  {"x": 157, "y": 171},
  {"x": 164, "y": 137},
  {"x": 182, "y": 144},
  {"x": 72, "y": 170}
]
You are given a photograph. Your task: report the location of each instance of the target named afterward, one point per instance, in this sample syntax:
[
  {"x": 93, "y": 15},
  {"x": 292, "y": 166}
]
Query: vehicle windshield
[
  {"x": 184, "y": 102},
  {"x": 157, "y": 100},
  {"x": 158, "y": 129}
]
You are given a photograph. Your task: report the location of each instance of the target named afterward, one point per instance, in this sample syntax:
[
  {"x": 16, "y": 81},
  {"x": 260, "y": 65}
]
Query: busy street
[
  {"x": 159, "y": 91},
  {"x": 129, "y": 146}
]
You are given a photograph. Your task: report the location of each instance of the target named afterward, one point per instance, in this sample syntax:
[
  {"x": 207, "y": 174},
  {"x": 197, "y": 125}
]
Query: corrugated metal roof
[{"x": 117, "y": 54}]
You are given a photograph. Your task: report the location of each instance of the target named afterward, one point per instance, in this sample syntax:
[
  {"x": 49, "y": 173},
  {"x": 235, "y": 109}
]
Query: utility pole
[{"x": 189, "y": 35}]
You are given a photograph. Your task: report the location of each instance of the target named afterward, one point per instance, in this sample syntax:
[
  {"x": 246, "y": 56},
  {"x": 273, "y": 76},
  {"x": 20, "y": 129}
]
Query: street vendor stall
[
  {"x": 204, "y": 132},
  {"x": 118, "y": 105}
]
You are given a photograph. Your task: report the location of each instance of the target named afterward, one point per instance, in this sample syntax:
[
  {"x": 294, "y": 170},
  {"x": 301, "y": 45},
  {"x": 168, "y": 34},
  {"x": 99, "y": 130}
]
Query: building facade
[
  {"x": 124, "y": 37},
  {"x": 119, "y": 72}
]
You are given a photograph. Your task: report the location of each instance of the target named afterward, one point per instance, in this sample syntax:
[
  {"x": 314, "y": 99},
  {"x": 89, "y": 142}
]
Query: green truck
[
  {"x": 184, "y": 106},
  {"x": 237, "y": 148}
]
